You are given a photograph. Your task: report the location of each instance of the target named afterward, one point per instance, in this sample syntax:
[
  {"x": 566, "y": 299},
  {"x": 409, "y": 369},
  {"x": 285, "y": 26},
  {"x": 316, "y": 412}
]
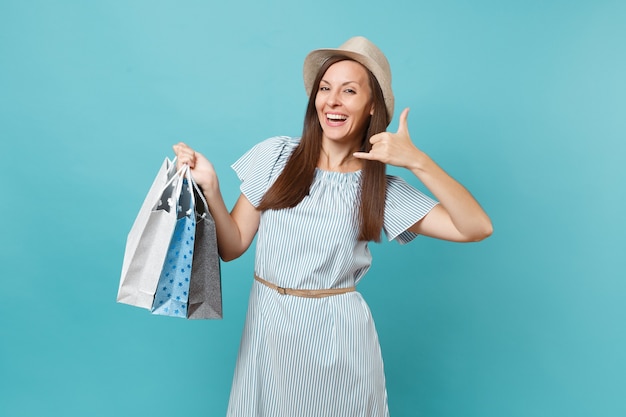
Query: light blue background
[{"x": 524, "y": 102}]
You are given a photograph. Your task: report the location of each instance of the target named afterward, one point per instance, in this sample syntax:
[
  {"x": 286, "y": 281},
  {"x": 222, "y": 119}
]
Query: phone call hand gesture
[{"x": 393, "y": 148}]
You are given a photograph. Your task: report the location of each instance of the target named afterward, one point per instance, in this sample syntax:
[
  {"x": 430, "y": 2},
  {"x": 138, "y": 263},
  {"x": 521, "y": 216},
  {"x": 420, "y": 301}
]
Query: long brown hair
[{"x": 294, "y": 183}]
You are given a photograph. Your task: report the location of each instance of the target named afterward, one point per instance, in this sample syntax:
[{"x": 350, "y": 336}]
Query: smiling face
[{"x": 344, "y": 102}]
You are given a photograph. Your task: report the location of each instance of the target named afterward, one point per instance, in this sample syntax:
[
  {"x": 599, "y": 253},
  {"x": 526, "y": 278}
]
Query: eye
[
  {"x": 350, "y": 91},
  {"x": 324, "y": 88}
]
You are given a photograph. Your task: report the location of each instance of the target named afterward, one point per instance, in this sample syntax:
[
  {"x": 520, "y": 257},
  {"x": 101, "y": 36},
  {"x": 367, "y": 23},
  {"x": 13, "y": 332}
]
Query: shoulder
[
  {"x": 399, "y": 192},
  {"x": 266, "y": 158},
  {"x": 405, "y": 205},
  {"x": 278, "y": 142},
  {"x": 271, "y": 149},
  {"x": 395, "y": 183}
]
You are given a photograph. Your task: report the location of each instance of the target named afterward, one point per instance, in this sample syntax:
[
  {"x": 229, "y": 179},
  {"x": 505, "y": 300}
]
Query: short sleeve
[
  {"x": 260, "y": 166},
  {"x": 404, "y": 206}
]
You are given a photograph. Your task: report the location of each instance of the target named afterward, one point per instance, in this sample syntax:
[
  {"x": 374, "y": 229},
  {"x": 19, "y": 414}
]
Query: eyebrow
[{"x": 345, "y": 83}]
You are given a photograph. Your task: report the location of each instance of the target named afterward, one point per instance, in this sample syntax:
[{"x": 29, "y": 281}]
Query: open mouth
[{"x": 332, "y": 117}]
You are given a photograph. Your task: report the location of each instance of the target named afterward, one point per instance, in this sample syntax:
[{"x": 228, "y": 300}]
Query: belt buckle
[{"x": 281, "y": 290}]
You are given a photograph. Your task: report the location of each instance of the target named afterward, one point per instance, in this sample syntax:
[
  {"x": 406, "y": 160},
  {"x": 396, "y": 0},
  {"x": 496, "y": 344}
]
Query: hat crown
[
  {"x": 364, "y": 52},
  {"x": 365, "y": 47}
]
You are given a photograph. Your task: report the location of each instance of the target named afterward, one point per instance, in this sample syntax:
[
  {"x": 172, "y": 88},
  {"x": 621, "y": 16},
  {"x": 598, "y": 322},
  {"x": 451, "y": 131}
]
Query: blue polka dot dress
[{"x": 313, "y": 357}]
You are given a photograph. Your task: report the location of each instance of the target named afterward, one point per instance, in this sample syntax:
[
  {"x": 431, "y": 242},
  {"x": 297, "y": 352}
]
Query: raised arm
[
  {"x": 458, "y": 217},
  {"x": 235, "y": 230}
]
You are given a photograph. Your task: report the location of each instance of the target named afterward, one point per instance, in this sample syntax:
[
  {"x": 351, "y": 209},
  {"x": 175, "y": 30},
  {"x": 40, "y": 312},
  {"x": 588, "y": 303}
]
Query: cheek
[
  {"x": 365, "y": 110},
  {"x": 318, "y": 103}
]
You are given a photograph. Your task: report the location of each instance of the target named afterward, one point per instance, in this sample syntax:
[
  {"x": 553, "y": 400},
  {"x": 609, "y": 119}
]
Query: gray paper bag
[
  {"x": 205, "y": 288},
  {"x": 149, "y": 238}
]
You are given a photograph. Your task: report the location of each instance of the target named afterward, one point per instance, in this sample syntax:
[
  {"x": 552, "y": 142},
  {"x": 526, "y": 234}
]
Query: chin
[{"x": 337, "y": 136}]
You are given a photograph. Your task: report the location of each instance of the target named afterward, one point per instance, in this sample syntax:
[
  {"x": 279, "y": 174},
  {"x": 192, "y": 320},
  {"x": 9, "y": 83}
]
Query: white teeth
[{"x": 336, "y": 116}]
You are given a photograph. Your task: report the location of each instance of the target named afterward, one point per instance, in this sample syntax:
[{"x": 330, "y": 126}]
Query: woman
[{"x": 309, "y": 346}]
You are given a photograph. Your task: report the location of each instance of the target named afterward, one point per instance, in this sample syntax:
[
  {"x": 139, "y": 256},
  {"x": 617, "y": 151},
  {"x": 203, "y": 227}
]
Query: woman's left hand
[{"x": 394, "y": 148}]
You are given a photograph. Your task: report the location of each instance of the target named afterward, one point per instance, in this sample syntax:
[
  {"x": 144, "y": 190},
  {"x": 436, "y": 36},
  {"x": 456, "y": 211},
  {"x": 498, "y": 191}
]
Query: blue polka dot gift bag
[
  {"x": 172, "y": 292},
  {"x": 149, "y": 238}
]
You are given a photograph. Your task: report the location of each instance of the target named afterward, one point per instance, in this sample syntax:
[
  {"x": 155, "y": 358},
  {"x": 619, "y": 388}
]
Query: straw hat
[{"x": 364, "y": 52}]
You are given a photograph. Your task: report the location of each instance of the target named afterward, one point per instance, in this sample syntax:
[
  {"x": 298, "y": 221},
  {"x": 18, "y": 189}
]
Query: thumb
[{"x": 403, "y": 126}]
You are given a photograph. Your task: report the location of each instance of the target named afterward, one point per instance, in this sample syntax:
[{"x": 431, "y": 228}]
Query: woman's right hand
[
  {"x": 236, "y": 230},
  {"x": 202, "y": 170}
]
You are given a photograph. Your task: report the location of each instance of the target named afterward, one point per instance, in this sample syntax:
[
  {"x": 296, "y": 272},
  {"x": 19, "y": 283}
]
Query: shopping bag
[
  {"x": 172, "y": 292},
  {"x": 205, "y": 292},
  {"x": 149, "y": 238}
]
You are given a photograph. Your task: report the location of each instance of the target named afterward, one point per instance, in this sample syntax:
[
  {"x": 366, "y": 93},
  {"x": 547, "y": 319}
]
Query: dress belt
[{"x": 305, "y": 293}]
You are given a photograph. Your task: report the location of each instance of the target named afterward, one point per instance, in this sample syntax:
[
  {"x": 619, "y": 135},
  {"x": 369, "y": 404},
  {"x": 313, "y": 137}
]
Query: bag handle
[
  {"x": 190, "y": 182},
  {"x": 201, "y": 194},
  {"x": 184, "y": 172},
  {"x": 177, "y": 182}
]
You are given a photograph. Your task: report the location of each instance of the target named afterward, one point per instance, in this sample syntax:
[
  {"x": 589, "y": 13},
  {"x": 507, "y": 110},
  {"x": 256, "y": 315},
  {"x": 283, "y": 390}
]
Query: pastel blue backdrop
[{"x": 523, "y": 102}]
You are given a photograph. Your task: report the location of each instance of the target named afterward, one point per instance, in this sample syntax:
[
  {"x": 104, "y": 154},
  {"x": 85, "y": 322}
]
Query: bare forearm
[
  {"x": 465, "y": 212},
  {"x": 235, "y": 230},
  {"x": 231, "y": 242},
  {"x": 459, "y": 217}
]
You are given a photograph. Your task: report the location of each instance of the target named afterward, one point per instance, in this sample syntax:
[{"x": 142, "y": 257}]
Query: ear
[{"x": 372, "y": 109}]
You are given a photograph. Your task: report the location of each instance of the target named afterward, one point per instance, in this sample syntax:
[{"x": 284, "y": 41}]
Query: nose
[{"x": 333, "y": 98}]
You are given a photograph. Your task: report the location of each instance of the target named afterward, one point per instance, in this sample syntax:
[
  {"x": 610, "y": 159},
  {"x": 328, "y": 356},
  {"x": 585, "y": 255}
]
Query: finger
[
  {"x": 180, "y": 149},
  {"x": 377, "y": 137},
  {"x": 184, "y": 155},
  {"x": 180, "y": 146},
  {"x": 403, "y": 125},
  {"x": 364, "y": 155},
  {"x": 181, "y": 161}
]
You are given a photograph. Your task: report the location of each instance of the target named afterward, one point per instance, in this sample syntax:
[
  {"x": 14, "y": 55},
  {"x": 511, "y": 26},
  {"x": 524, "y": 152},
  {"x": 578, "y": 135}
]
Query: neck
[{"x": 338, "y": 160}]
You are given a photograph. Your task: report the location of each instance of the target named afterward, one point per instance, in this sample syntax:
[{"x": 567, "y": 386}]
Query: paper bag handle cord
[
  {"x": 190, "y": 185},
  {"x": 184, "y": 173},
  {"x": 178, "y": 183},
  {"x": 201, "y": 194},
  {"x": 179, "y": 173}
]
